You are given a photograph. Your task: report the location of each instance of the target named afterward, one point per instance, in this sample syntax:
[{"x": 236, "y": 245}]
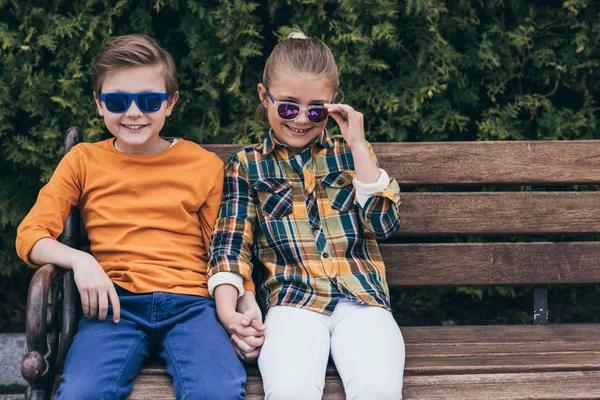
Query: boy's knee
[
  {"x": 81, "y": 389},
  {"x": 229, "y": 384},
  {"x": 217, "y": 392}
]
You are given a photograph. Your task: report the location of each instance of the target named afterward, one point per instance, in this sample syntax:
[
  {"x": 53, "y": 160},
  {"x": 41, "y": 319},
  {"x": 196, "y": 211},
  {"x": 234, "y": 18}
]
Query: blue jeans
[{"x": 184, "y": 331}]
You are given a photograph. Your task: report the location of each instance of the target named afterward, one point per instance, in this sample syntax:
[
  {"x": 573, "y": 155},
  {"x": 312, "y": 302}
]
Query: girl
[{"x": 307, "y": 208}]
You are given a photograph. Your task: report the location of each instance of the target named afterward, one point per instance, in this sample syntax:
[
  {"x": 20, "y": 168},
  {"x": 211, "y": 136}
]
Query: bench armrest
[{"x": 43, "y": 325}]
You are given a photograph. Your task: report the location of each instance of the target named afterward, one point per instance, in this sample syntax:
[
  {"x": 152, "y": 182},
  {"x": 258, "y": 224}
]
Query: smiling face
[
  {"x": 302, "y": 88},
  {"x": 136, "y": 132}
]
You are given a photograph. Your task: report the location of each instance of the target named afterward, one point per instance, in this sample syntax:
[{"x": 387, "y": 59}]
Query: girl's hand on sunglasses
[{"x": 351, "y": 123}]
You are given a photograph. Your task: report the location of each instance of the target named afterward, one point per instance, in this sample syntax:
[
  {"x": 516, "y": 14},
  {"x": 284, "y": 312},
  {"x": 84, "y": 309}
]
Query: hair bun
[{"x": 297, "y": 34}]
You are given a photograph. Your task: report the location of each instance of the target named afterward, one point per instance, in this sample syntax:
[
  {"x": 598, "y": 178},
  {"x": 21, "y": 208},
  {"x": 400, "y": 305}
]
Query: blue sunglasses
[{"x": 119, "y": 102}]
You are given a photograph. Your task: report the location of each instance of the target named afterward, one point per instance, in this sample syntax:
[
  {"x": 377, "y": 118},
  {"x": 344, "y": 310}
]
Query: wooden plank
[
  {"x": 502, "y": 213},
  {"x": 464, "y": 163},
  {"x": 460, "y": 264},
  {"x": 540, "y": 385},
  {"x": 495, "y": 349},
  {"x": 160, "y": 387},
  {"x": 509, "y": 362},
  {"x": 494, "y": 334},
  {"x": 545, "y": 385}
]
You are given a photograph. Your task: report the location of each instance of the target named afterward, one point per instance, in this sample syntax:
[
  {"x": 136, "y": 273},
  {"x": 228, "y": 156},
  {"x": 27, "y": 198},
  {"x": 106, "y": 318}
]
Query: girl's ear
[
  {"x": 98, "y": 105},
  {"x": 262, "y": 95}
]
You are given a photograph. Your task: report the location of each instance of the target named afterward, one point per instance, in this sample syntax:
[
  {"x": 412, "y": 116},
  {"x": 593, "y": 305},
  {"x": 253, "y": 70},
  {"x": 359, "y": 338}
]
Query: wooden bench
[{"x": 461, "y": 362}]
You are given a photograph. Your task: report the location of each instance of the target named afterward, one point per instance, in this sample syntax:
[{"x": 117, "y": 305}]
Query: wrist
[
  {"x": 77, "y": 258},
  {"x": 246, "y": 302},
  {"x": 359, "y": 147},
  {"x": 226, "y": 316}
]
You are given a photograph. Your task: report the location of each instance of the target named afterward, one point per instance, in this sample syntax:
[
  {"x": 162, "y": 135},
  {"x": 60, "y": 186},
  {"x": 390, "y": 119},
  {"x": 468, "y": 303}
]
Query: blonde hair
[
  {"x": 133, "y": 51},
  {"x": 299, "y": 53}
]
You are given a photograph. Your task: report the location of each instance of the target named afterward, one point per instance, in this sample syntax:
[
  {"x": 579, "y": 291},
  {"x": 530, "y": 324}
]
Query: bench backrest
[{"x": 442, "y": 197}]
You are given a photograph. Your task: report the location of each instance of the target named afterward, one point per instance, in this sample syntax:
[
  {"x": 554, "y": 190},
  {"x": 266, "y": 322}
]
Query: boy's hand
[{"x": 95, "y": 289}]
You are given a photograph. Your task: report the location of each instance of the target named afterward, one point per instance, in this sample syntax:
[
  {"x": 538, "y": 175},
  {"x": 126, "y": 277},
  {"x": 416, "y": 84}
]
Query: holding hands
[{"x": 244, "y": 324}]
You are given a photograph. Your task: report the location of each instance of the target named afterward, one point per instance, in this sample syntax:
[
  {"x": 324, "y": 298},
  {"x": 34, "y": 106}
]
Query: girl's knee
[
  {"x": 389, "y": 390},
  {"x": 296, "y": 390}
]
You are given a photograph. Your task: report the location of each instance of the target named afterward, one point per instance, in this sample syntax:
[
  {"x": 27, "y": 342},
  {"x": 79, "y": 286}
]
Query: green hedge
[{"x": 420, "y": 70}]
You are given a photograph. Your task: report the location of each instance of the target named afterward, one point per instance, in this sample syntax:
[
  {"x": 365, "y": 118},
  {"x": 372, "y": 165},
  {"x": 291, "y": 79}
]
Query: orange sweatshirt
[{"x": 148, "y": 217}]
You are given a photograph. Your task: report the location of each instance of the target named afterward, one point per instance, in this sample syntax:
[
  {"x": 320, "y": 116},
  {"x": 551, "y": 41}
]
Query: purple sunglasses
[{"x": 290, "y": 111}]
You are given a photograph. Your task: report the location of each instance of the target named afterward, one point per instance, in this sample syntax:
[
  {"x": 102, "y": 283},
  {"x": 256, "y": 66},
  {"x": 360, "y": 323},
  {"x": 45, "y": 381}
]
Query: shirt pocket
[
  {"x": 340, "y": 190},
  {"x": 275, "y": 197}
]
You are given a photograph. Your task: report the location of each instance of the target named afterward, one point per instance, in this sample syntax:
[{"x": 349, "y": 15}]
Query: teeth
[
  {"x": 133, "y": 127},
  {"x": 298, "y": 130}
]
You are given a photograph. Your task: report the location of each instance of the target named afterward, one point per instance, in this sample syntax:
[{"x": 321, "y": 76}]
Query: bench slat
[
  {"x": 544, "y": 385},
  {"x": 510, "y": 162},
  {"x": 491, "y": 263},
  {"x": 495, "y": 334},
  {"x": 501, "y": 213},
  {"x": 160, "y": 387},
  {"x": 503, "y": 363},
  {"x": 490, "y": 358}
]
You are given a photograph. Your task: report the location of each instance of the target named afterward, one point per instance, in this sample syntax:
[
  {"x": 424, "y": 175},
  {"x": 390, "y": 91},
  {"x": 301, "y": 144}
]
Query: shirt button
[
  {"x": 340, "y": 181},
  {"x": 325, "y": 255}
]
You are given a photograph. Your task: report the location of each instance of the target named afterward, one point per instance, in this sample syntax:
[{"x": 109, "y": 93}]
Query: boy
[{"x": 149, "y": 205}]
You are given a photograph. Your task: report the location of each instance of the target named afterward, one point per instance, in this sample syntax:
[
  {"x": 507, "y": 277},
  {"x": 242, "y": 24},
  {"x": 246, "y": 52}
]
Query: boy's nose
[{"x": 133, "y": 110}]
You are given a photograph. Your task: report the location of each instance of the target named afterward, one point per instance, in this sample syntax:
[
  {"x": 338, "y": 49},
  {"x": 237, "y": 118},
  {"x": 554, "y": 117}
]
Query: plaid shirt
[{"x": 302, "y": 222}]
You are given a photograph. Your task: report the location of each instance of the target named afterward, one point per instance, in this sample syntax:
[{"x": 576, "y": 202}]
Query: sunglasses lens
[
  {"x": 288, "y": 111},
  {"x": 149, "y": 102},
  {"x": 117, "y": 102},
  {"x": 317, "y": 114}
]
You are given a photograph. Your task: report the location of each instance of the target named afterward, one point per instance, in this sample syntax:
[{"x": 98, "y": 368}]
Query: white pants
[{"x": 364, "y": 341}]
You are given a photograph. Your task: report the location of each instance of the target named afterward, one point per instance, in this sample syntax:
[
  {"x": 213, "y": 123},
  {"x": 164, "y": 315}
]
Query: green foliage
[{"x": 419, "y": 70}]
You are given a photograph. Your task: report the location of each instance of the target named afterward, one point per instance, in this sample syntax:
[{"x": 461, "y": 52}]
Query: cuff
[
  {"x": 230, "y": 278},
  {"x": 364, "y": 191}
]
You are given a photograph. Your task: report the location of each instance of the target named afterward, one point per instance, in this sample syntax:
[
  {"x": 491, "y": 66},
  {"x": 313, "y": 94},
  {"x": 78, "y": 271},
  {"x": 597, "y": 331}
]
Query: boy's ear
[
  {"x": 262, "y": 95},
  {"x": 171, "y": 103},
  {"x": 98, "y": 105}
]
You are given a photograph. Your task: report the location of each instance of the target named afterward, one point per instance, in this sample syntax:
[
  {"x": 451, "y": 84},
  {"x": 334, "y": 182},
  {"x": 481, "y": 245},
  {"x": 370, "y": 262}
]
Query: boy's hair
[
  {"x": 299, "y": 53},
  {"x": 133, "y": 51}
]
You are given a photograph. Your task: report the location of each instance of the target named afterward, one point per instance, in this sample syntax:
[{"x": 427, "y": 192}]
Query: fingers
[
  {"x": 338, "y": 109},
  {"x": 246, "y": 331},
  {"x": 345, "y": 115},
  {"x": 253, "y": 318},
  {"x": 258, "y": 325},
  {"x": 85, "y": 302},
  {"x": 247, "y": 357},
  {"x": 116, "y": 304},
  {"x": 244, "y": 351},
  {"x": 252, "y": 341},
  {"x": 338, "y": 118},
  {"x": 102, "y": 306},
  {"x": 93, "y": 304},
  {"x": 240, "y": 344}
]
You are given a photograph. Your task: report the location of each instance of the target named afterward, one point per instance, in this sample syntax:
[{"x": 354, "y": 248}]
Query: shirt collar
[{"x": 271, "y": 142}]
